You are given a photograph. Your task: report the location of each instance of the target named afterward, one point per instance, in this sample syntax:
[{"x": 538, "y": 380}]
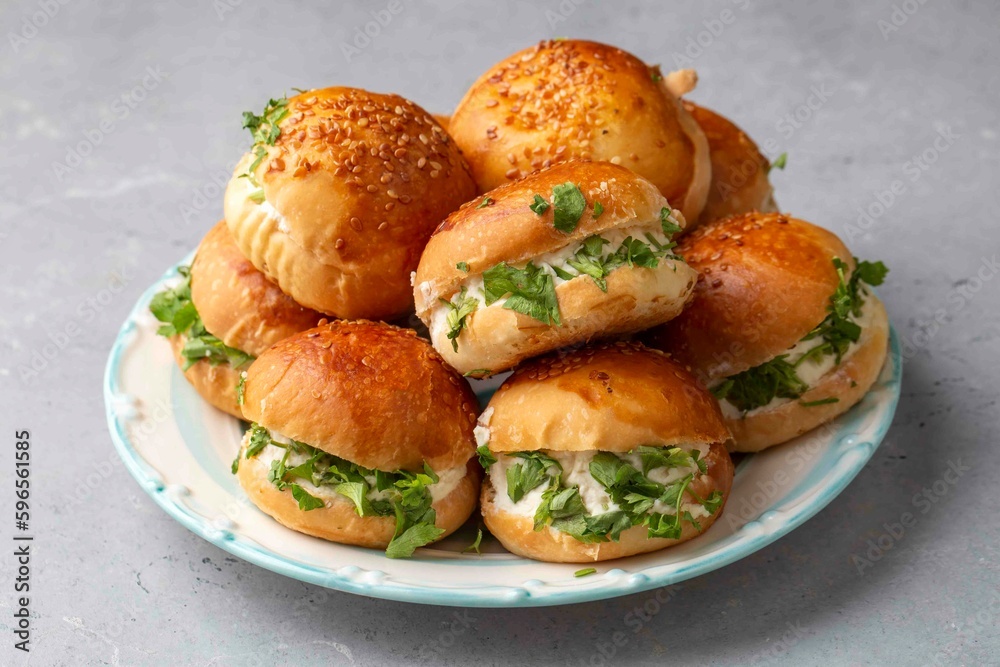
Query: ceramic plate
[{"x": 180, "y": 449}]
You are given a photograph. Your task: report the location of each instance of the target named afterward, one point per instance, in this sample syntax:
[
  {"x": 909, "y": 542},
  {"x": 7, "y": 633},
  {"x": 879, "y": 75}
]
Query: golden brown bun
[
  {"x": 612, "y": 397},
  {"x": 371, "y": 393},
  {"x": 497, "y": 339},
  {"x": 509, "y": 231},
  {"x": 361, "y": 179},
  {"x": 443, "y": 120},
  {"x": 216, "y": 384},
  {"x": 765, "y": 282},
  {"x": 577, "y": 99},
  {"x": 739, "y": 170},
  {"x": 518, "y": 536},
  {"x": 849, "y": 382},
  {"x": 236, "y": 302},
  {"x": 338, "y": 521}
]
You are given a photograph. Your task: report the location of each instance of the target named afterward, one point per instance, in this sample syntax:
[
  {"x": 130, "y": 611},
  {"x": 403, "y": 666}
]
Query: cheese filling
[
  {"x": 810, "y": 370},
  {"x": 556, "y": 264},
  {"x": 594, "y": 496},
  {"x": 448, "y": 479},
  {"x": 576, "y": 472}
]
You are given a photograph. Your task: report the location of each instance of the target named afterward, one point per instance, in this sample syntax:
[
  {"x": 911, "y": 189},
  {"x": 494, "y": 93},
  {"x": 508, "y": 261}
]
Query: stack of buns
[{"x": 576, "y": 222}]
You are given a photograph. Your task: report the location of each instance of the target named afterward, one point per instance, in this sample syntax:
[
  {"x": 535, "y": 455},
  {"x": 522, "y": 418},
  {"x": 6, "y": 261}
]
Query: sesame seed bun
[
  {"x": 577, "y": 99},
  {"x": 613, "y": 397},
  {"x": 739, "y": 171},
  {"x": 507, "y": 230},
  {"x": 353, "y": 186},
  {"x": 239, "y": 306},
  {"x": 765, "y": 282},
  {"x": 338, "y": 521},
  {"x": 368, "y": 392},
  {"x": 443, "y": 120}
]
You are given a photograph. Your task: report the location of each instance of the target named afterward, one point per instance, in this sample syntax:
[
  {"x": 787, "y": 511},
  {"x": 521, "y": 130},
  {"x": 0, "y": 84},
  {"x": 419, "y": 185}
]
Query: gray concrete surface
[{"x": 870, "y": 87}]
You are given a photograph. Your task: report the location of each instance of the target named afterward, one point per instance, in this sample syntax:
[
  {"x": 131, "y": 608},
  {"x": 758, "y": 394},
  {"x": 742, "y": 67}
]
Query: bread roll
[
  {"x": 571, "y": 98},
  {"x": 766, "y": 283},
  {"x": 502, "y": 229},
  {"x": 375, "y": 397},
  {"x": 242, "y": 308},
  {"x": 583, "y": 408},
  {"x": 340, "y": 205}
]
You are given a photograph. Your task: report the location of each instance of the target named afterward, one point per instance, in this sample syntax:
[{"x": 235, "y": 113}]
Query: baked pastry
[
  {"x": 601, "y": 453},
  {"x": 360, "y": 434},
  {"x": 338, "y": 195},
  {"x": 222, "y": 315},
  {"x": 739, "y": 170},
  {"x": 571, "y": 98},
  {"x": 784, "y": 328},
  {"x": 573, "y": 252}
]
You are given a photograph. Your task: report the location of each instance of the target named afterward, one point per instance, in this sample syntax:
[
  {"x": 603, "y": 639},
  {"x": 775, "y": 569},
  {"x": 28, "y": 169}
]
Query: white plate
[{"x": 180, "y": 449}]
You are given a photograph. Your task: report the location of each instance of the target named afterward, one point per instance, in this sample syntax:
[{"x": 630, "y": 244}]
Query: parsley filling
[
  {"x": 649, "y": 486},
  {"x": 530, "y": 289},
  {"x": 175, "y": 309},
  {"x": 779, "y": 378},
  {"x": 304, "y": 470},
  {"x": 265, "y": 131}
]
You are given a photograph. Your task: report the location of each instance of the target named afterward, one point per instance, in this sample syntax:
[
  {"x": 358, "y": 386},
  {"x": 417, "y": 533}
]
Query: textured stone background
[{"x": 118, "y": 582}]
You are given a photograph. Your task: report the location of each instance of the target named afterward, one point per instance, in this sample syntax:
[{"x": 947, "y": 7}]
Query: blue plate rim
[{"x": 735, "y": 548}]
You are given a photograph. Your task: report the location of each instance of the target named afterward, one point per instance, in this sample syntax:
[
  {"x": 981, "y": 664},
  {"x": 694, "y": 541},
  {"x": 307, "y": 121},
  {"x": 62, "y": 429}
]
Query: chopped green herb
[
  {"x": 668, "y": 222},
  {"x": 539, "y": 205},
  {"x": 838, "y": 330},
  {"x": 779, "y": 162},
  {"x": 475, "y": 545},
  {"x": 761, "y": 384},
  {"x": 822, "y": 401},
  {"x": 585, "y": 571},
  {"x": 486, "y": 458},
  {"x": 203, "y": 346},
  {"x": 778, "y": 377},
  {"x": 403, "y": 494},
  {"x": 598, "y": 209},
  {"x": 569, "y": 204},
  {"x": 174, "y": 308},
  {"x": 305, "y": 499},
  {"x": 460, "y": 308},
  {"x": 234, "y": 468},
  {"x": 477, "y": 372},
  {"x": 265, "y": 131},
  {"x": 488, "y": 201},
  {"x": 241, "y": 388},
  {"x": 417, "y": 535},
  {"x": 561, "y": 507},
  {"x": 523, "y": 478},
  {"x": 259, "y": 439},
  {"x": 462, "y": 266},
  {"x": 590, "y": 259},
  {"x": 530, "y": 291}
]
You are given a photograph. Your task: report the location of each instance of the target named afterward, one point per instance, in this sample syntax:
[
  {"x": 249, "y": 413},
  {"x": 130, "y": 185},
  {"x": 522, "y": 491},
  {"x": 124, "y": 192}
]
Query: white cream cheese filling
[
  {"x": 267, "y": 207},
  {"x": 576, "y": 472},
  {"x": 811, "y": 371},
  {"x": 474, "y": 284},
  {"x": 448, "y": 479},
  {"x": 273, "y": 213}
]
